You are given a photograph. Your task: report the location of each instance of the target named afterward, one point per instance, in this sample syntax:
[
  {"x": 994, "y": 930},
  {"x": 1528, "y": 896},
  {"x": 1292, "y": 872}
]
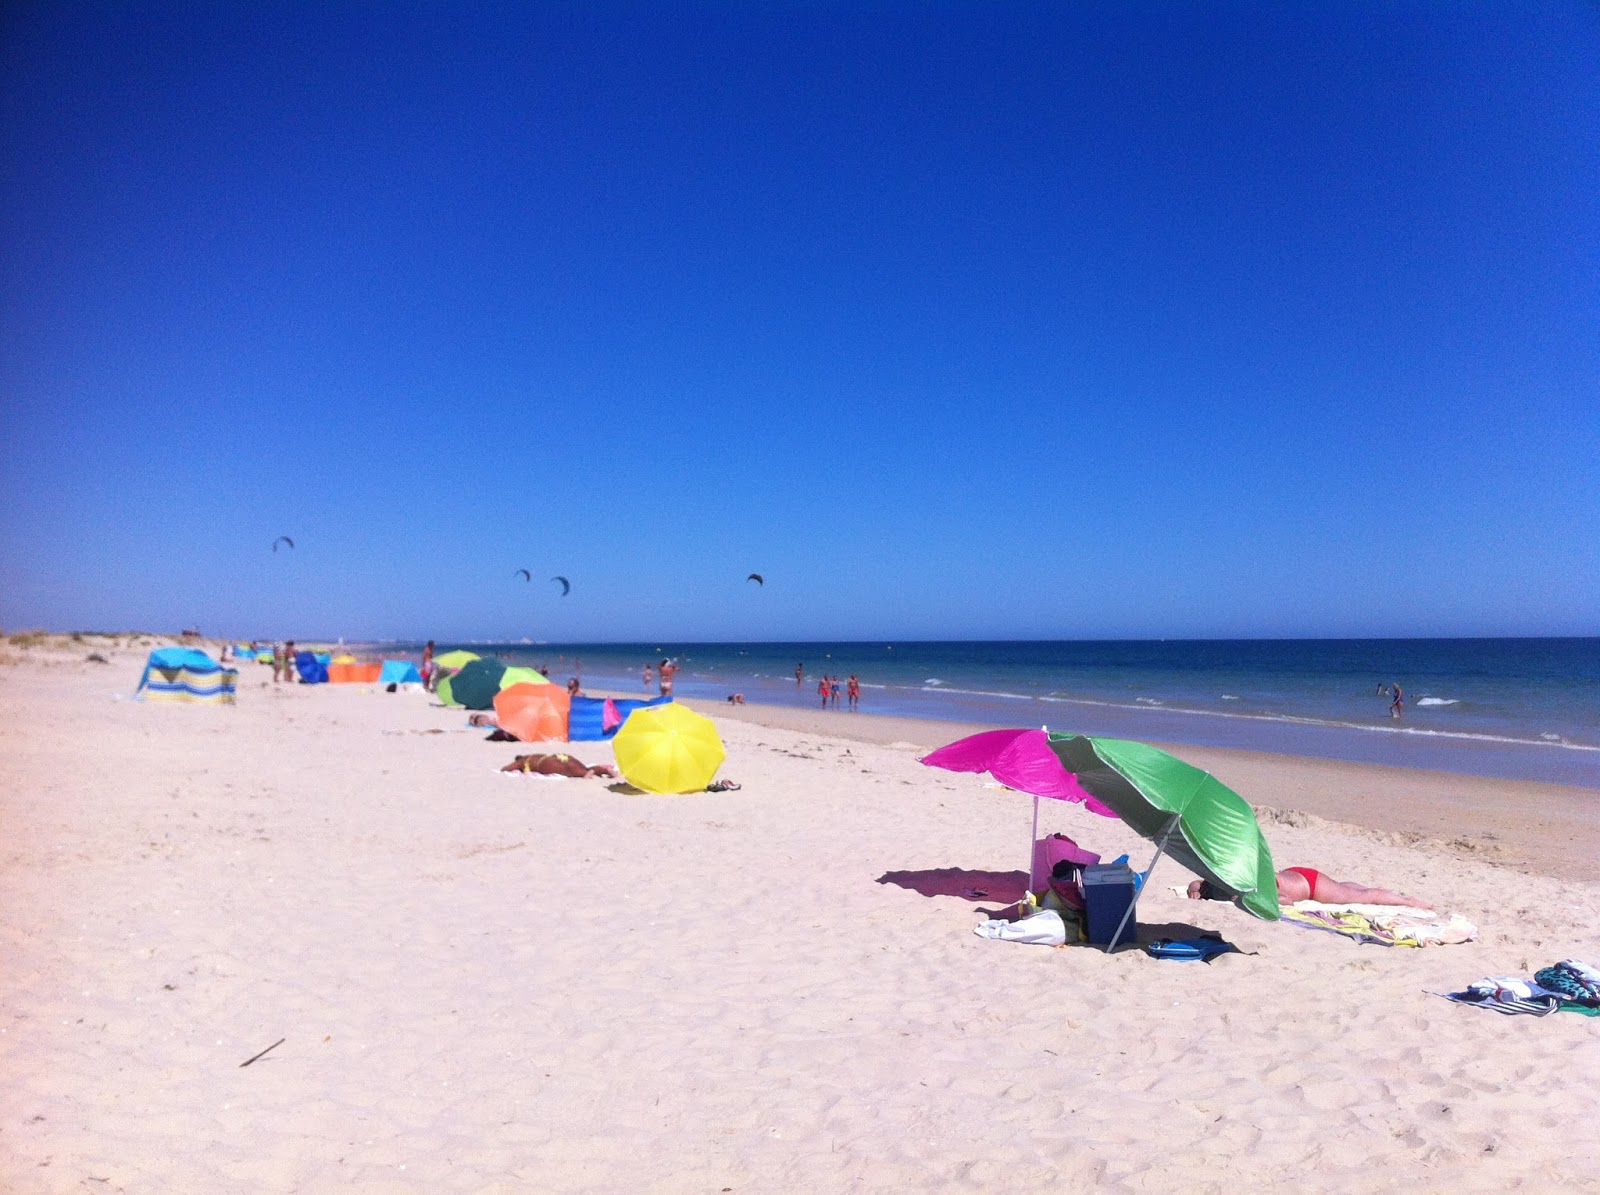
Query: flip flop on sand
[{"x": 722, "y": 786}]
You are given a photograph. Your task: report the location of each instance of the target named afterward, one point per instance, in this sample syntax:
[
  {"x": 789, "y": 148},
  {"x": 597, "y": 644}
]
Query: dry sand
[{"x": 503, "y": 983}]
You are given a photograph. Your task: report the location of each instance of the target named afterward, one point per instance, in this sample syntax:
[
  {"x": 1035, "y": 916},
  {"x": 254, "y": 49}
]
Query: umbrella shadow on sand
[{"x": 1004, "y": 886}]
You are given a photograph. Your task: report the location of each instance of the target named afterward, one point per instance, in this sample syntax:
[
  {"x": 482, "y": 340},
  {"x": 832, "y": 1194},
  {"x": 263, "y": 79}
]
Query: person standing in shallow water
[
  {"x": 649, "y": 677},
  {"x": 853, "y": 692},
  {"x": 1397, "y": 707}
]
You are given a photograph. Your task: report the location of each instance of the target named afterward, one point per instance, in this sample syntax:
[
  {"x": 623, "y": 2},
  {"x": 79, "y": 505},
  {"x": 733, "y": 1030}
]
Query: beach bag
[
  {"x": 1055, "y": 848},
  {"x": 1044, "y": 928}
]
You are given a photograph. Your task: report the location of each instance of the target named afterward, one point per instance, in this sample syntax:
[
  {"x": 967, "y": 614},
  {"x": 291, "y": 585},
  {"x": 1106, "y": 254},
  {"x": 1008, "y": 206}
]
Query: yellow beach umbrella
[{"x": 668, "y": 749}]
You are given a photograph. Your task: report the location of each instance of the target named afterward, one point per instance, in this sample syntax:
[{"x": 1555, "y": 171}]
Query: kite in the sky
[
  {"x": 524, "y": 573},
  {"x": 758, "y": 579},
  {"x": 566, "y": 585},
  {"x": 282, "y": 539}
]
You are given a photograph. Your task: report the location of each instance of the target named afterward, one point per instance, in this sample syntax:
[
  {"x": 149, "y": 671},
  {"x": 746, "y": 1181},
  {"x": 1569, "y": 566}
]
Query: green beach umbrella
[
  {"x": 448, "y": 665},
  {"x": 452, "y": 693},
  {"x": 1189, "y": 814},
  {"x": 477, "y": 683},
  {"x": 517, "y": 676}
]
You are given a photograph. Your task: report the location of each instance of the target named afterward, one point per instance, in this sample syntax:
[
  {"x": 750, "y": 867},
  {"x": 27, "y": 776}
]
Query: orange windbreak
[{"x": 354, "y": 674}]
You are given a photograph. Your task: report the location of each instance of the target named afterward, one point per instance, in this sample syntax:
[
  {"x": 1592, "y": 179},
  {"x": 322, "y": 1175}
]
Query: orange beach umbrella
[{"x": 534, "y": 713}]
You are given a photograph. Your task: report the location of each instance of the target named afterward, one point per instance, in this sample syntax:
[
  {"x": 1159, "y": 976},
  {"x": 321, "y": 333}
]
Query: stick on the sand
[{"x": 269, "y": 1049}]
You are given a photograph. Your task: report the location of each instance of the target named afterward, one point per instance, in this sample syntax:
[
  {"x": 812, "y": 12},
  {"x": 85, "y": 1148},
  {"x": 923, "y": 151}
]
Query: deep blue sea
[{"x": 1517, "y": 708}]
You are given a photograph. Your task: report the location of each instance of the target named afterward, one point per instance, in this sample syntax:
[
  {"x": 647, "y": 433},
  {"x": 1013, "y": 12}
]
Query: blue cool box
[{"x": 1107, "y": 893}]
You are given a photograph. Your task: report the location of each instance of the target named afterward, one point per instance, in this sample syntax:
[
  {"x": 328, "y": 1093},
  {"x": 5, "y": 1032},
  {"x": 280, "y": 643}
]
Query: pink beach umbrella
[{"x": 1019, "y": 759}]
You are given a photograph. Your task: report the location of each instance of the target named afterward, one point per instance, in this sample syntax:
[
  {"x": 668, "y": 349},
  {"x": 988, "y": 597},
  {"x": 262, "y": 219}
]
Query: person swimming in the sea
[{"x": 1305, "y": 883}]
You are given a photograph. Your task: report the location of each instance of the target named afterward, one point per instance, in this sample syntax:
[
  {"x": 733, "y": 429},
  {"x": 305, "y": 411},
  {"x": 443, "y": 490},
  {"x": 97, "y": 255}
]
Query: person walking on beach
[
  {"x": 288, "y": 661},
  {"x": 277, "y": 662},
  {"x": 668, "y": 671},
  {"x": 429, "y": 668},
  {"x": 799, "y": 673},
  {"x": 822, "y": 690},
  {"x": 1397, "y": 707},
  {"x": 853, "y": 691},
  {"x": 833, "y": 691}
]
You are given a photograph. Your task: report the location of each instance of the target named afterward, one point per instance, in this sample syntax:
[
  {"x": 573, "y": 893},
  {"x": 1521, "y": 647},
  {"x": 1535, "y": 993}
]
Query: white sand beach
[{"x": 485, "y": 982}]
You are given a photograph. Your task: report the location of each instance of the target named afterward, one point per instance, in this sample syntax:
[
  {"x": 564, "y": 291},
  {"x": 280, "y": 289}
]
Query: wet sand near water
[{"x": 1548, "y": 829}]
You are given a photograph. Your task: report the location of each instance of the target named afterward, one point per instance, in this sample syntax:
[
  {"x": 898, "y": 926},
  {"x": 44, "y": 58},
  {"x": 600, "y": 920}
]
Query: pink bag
[
  {"x": 610, "y": 719},
  {"x": 1050, "y": 850}
]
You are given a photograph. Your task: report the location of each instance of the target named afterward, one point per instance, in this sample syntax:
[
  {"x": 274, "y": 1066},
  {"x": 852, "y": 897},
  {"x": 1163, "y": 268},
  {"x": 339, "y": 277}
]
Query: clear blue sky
[{"x": 963, "y": 320}]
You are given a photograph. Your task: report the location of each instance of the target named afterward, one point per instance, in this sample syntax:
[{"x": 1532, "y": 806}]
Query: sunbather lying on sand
[
  {"x": 1302, "y": 883},
  {"x": 559, "y": 765}
]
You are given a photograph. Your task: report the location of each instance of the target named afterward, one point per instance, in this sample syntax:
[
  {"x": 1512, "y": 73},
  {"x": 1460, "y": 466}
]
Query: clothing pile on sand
[{"x": 1568, "y": 986}]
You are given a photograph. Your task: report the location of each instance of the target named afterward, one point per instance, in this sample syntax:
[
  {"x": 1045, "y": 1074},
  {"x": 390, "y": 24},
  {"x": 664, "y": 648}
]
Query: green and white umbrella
[{"x": 1189, "y": 814}]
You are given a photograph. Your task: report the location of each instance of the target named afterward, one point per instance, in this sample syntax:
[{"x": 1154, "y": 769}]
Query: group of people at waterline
[
  {"x": 660, "y": 676},
  {"x": 828, "y": 688}
]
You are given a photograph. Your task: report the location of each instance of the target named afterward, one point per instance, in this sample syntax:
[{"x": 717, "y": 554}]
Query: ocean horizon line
[{"x": 661, "y": 643}]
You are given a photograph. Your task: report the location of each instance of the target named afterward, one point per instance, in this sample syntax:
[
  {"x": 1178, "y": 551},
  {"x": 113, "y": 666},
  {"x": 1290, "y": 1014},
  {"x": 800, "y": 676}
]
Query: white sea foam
[
  {"x": 1293, "y": 720},
  {"x": 943, "y": 688},
  {"x": 1229, "y": 697},
  {"x": 1439, "y": 701}
]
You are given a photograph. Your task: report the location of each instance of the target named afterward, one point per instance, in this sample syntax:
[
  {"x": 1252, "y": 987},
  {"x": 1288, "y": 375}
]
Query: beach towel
[
  {"x": 1382, "y": 925},
  {"x": 1568, "y": 986},
  {"x": 1504, "y": 994},
  {"x": 1573, "y": 981}
]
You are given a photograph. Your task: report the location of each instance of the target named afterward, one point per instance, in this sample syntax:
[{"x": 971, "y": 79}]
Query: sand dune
[{"x": 507, "y": 983}]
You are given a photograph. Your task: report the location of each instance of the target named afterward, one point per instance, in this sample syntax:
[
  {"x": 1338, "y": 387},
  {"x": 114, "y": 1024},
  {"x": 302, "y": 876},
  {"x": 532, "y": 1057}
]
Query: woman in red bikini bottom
[{"x": 1304, "y": 883}]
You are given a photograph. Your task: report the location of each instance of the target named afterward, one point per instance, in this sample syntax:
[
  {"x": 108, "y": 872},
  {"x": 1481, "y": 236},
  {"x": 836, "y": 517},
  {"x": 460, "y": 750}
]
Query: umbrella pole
[
  {"x": 1032, "y": 839},
  {"x": 1138, "y": 889}
]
